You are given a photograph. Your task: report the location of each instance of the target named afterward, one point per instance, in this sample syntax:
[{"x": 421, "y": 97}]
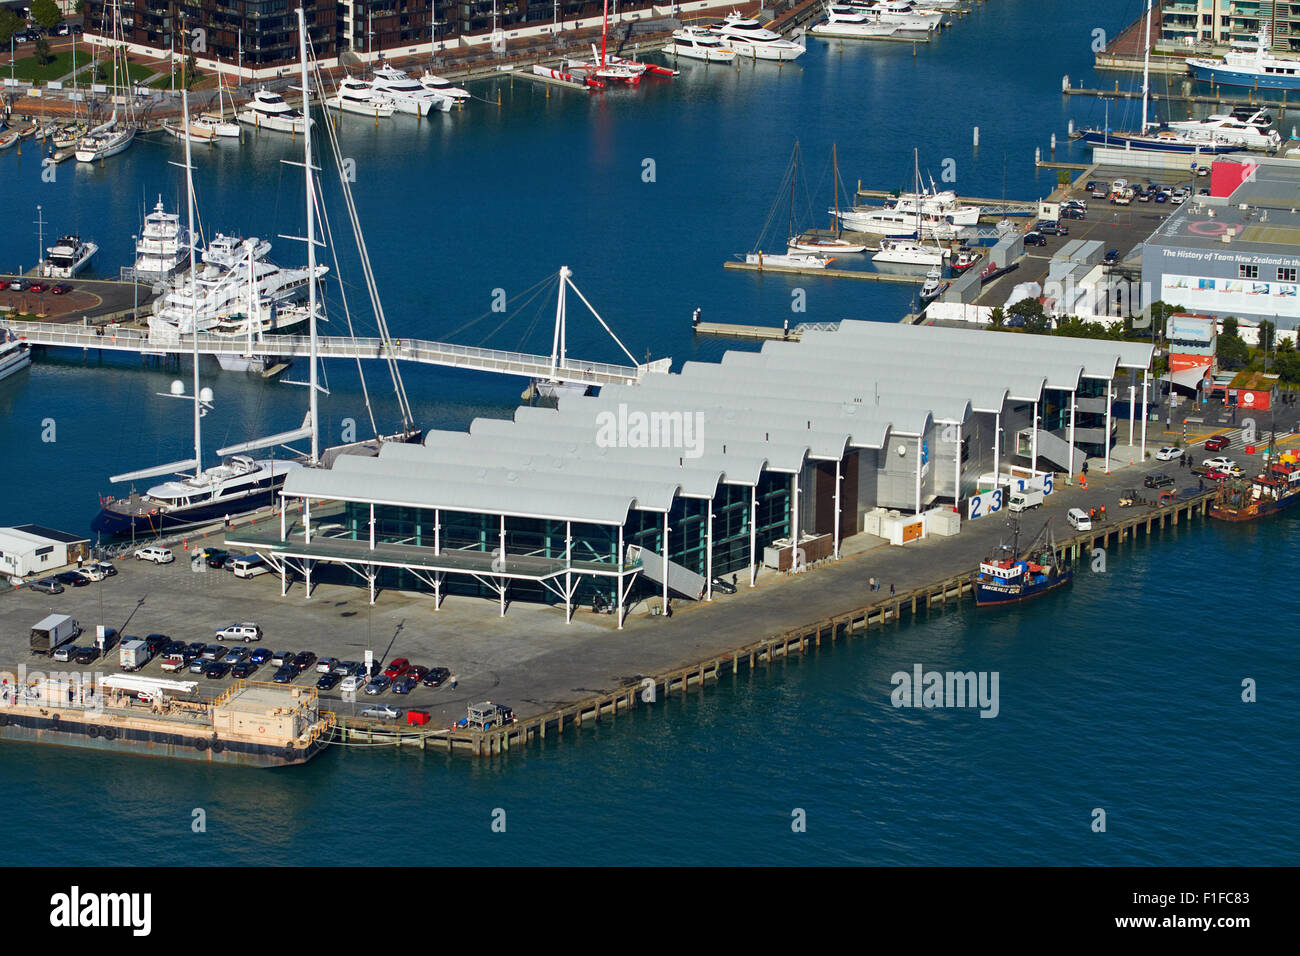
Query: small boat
[
  {"x": 965, "y": 259},
  {"x": 268, "y": 110},
  {"x": 8, "y": 138},
  {"x": 217, "y": 122},
  {"x": 792, "y": 260},
  {"x": 820, "y": 244},
  {"x": 69, "y": 256},
  {"x": 14, "y": 355},
  {"x": 698, "y": 44},
  {"x": 68, "y": 136},
  {"x": 1009, "y": 577},
  {"x": 47, "y": 132},
  {"x": 443, "y": 87},
  {"x": 910, "y": 252},
  {"x": 933, "y": 287},
  {"x": 196, "y": 134}
]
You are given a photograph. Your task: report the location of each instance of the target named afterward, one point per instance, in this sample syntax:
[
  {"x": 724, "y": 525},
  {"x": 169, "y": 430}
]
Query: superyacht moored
[
  {"x": 356, "y": 96},
  {"x": 695, "y": 43},
  {"x": 406, "y": 95},
  {"x": 850, "y": 23},
  {"x": 268, "y": 110},
  {"x": 749, "y": 38},
  {"x": 162, "y": 248},
  {"x": 68, "y": 256}
]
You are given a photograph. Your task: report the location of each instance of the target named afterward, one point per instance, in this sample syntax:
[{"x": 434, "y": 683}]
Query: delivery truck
[
  {"x": 1025, "y": 499},
  {"x": 53, "y": 631},
  {"x": 133, "y": 655}
]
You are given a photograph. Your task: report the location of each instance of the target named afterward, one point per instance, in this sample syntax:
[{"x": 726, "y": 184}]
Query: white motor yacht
[
  {"x": 406, "y": 95},
  {"x": 443, "y": 87},
  {"x": 1251, "y": 131},
  {"x": 911, "y": 253},
  {"x": 356, "y": 96},
  {"x": 268, "y": 110},
  {"x": 14, "y": 355},
  {"x": 163, "y": 246},
  {"x": 698, "y": 44},
  {"x": 69, "y": 256},
  {"x": 750, "y": 38},
  {"x": 794, "y": 260},
  {"x": 886, "y": 221},
  {"x": 851, "y": 23}
]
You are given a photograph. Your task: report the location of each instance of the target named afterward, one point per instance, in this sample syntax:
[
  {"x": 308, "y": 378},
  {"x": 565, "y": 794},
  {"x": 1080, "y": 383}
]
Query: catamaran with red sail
[{"x": 604, "y": 67}]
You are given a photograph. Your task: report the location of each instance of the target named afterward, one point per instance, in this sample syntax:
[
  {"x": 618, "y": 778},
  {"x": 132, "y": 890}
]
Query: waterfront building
[
  {"x": 770, "y": 457},
  {"x": 1186, "y": 23},
  {"x": 1236, "y": 252}
]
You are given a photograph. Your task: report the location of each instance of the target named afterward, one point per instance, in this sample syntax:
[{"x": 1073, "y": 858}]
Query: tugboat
[
  {"x": 1009, "y": 576},
  {"x": 1276, "y": 488},
  {"x": 965, "y": 259}
]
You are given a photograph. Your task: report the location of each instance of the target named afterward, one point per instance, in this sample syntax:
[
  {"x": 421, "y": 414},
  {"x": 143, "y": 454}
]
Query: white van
[
  {"x": 250, "y": 566},
  {"x": 1078, "y": 519},
  {"x": 155, "y": 554}
]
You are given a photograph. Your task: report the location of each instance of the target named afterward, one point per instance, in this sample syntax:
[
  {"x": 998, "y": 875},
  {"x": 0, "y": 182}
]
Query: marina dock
[{"x": 859, "y": 274}]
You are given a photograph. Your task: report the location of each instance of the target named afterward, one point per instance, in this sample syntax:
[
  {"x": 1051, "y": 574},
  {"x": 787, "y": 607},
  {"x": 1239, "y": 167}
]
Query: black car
[
  {"x": 196, "y": 648},
  {"x": 243, "y": 669},
  {"x": 110, "y": 638},
  {"x": 304, "y": 660},
  {"x": 1053, "y": 228},
  {"x": 1112, "y": 257},
  {"x": 436, "y": 676},
  {"x": 1035, "y": 239},
  {"x": 1157, "y": 480},
  {"x": 85, "y": 655},
  {"x": 216, "y": 670},
  {"x": 72, "y": 579},
  {"x": 285, "y": 674},
  {"x": 156, "y": 643},
  {"x": 47, "y": 586},
  {"x": 216, "y": 557},
  {"x": 175, "y": 647},
  {"x": 328, "y": 681},
  {"x": 107, "y": 567},
  {"x": 1074, "y": 212}
]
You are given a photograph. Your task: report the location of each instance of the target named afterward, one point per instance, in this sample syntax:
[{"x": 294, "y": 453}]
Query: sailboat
[
  {"x": 236, "y": 486},
  {"x": 807, "y": 243},
  {"x": 1150, "y": 137},
  {"x": 791, "y": 257},
  {"x": 109, "y": 139},
  {"x": 605, "y": 67},
  {"x": 217, "y": 122},
  {"x": 909, "y": 251}
]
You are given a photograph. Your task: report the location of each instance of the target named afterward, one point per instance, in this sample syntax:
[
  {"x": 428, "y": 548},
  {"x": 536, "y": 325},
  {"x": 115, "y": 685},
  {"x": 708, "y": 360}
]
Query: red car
[
  {"x": 1217, "y": 443},
  {"x": 38, "y": 287},
  {"x": 417, "y": 673},
  {"x": 397, "y": 668},
  {"x": 1216, "y": 474}
]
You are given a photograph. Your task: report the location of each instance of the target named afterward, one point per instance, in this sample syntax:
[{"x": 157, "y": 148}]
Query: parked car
[
  {"x": 46, "y": 586},
  {"x": 381, "y": 712},
  {"x": 93, "y": 572},
  {"x": 378, "y": 685},
  {"x": 417, "y": 673},
  {"x": 235, "y": 655},
  {"x": 1216, "y": 443},
  {"x": 199, "y": 665},
  {"x": 72, "y": 579},
  {"x": 38, "y": 286},
  {"x": 1052, "y": 227},
  {"x": 174, "y": 647},
  {"x": 1216, "y": 474},
  {"x": 1178, "y": 196},
  {"x": 243, "y": 669},
  {"x": 1162, "y": 196},
  {"x": 404, "y": 684},
  {"x": 397, "y": 667},
  {"x": 326, "y": 665},
  {"x": 63, "y": 654},
  {"x": 344, "y": 668},
  {"x": 260, "y": 655},
  {"x": 212, "y": 652},
  {"x": 18, "y": 285},
  {"x": 1097, "y": 190},
  {"x": 61, "y": 288},
  {"x": 1074, "y": 212},
  {"x": 352, "y": 683},
  {"x": 1035, "y": 239},
  {"x": 304, "y": 661},
  {"x": 108, "y": 567},
  {"x": 216, "y": 670},
  {"x": 157, "y": 643},
  {"x": 1112, "y": 257},
  {"x": 436, "y": 676},
  {"x": 155, "y": 554},
  {"x": 285, "y": 675},
  {"x": 1222, "y": 461},
  {"x": 245, "y": 632},
  {"x": 327, "y": 681},
  {"x": 1157, "y": 480},
  {"x": 86, "y": 655},
  {"x": 1169, "y": 453},
  {"x": 215, "y": 557},
  {"x": 197, "y": 648}
]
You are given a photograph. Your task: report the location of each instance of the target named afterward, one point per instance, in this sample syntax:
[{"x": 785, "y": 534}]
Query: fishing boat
[
  {"x": 749, "y": 38},
  {"x": 1272, "y": 491},
  {"x": 268, "y": 110},
  {"x": 1248, "y": 65},
  {"x": 69, "y": 256},
  {"x": 965, "y": 259},
  {"x": 356, "y": 96},
  {"x": 15, "y": 355},
  {"x": 1009, "y": 576},
  {"x": 696, "y": 43},
  {"x": 933, "y": 287}
]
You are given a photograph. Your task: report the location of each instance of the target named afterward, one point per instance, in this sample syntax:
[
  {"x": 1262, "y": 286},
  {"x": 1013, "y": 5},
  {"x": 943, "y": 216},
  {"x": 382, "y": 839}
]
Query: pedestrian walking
[
  {"x": 871, "y": 584},
  {"x": 891, "y": 588}
]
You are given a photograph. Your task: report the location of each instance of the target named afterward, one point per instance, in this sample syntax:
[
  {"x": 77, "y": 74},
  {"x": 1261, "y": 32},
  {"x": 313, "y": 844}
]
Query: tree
[
  {"x": 46, "y": 13},
  {"x": 1267, "y": 335},
  {"x": 1028, "y": 314},
  {"x": 997, "y": 318},
  {"x": 191, "y": 70},
  {"x": 1229, "y": 327},
  {"x": 10, "y": 23},
  {"x": 1234, "y": 354},
  {"x": 41, "y": 48}
]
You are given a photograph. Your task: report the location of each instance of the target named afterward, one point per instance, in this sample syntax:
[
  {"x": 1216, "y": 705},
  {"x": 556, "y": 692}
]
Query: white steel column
[
  {"x": 997, "y": 449},
  {"x": 568, "y": 574},
  {"x": 284, "y": 527},
  {"x": 503, "y": 565},
  {"x": 1132, "y": 406},
  {"x": 1074, "y": 405},
  {"x": 919, "y": 439},
  {"x": 1146, "y": 376},
  {"x": 753, "y": 535},
  {"x": 372, "y": 526},
  {"x": 794, "y": 526},
  {"x": 956, "y": 474},
  {"x": 1034, "y": 442},
  {"x": 618, "y": 585},
  {"x": 708, "y": 558},
  {"x": 306, "y": 519},
  {"x": 664, "y": 609},
  {"x": 1106, "y": 438},
  {"x": 837, "y": 511},
  {"x": 437, "y": 552}
]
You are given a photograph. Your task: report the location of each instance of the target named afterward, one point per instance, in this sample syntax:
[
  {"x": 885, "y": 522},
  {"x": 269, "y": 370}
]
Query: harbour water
[{"x": 1123, "y": 693}]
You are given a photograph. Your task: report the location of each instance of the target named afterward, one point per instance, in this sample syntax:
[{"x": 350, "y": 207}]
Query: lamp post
[{"x": 135, "y": 284}]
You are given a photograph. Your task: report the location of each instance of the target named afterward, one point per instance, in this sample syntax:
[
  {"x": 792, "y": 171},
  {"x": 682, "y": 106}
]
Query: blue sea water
[{"x": 1122, "y": 694}]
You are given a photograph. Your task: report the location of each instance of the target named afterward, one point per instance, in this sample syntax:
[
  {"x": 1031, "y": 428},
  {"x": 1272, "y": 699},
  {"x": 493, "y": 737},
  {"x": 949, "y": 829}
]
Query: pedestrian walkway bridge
[{"x": 422, "y": 351}]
